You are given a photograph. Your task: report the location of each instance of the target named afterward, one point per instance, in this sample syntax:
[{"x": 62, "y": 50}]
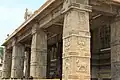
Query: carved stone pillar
[
  {"x": 115, "y": 49},
  {"x": 76, "y": 40},
  {"x": 27, "y": 64},
  {"x": 38, "y": 53},
  {"x": 17, "y": 61},
  {"x": 7, "y": 61}
]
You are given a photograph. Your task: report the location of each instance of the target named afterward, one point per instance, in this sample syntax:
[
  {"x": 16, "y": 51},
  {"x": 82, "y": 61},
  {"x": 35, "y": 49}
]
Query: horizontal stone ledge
[
  {"x": 37, "y": 65},
  {"x": 4, "y": 70},
  {"x": 76, "y": 57},
  {"x": 29, "y": 79},
  {"x": 76, "y": 35},
  {"x": 38, "y": 50},
  {"x": 115, "y": 62},
  {"x": 18, "y": 56}
]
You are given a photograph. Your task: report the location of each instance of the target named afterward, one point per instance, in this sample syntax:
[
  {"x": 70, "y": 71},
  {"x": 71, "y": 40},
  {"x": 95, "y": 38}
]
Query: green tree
[{"x": 1, "y": 52}]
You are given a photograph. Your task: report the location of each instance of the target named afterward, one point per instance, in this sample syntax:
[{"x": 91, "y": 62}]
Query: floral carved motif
[{"x": 67, "y": 44}]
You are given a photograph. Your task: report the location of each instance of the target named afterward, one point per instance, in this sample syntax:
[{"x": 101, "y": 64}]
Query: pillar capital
[
  {"x": 81, "y": 5},
  {"x": 35, "y": 28},
  {"x": 7, "y": 50}
]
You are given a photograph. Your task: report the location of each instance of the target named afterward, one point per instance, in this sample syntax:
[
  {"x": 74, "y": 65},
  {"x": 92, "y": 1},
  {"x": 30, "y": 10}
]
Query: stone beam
[
  {"x": 53, "y": 15},
  {"x": 117, "y": 2},
  {"x": 24, "y": 35},
  {"x": 103, "y": 7}
]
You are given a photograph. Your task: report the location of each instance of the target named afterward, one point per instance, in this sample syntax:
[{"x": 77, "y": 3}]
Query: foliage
[{"x": 1, "y": 52}]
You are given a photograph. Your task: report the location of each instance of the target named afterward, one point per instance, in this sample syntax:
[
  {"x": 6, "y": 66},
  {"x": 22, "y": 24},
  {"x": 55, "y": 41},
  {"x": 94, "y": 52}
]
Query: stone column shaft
[
  {"x": 7, "y": 61},
  {"x": 76, "y": 41},
  {"x": 17, "y": 61},
  {"x": 38, "y": 54},
  {"x": 115, "y": 49},
  {"x": 27, "y": 64}
]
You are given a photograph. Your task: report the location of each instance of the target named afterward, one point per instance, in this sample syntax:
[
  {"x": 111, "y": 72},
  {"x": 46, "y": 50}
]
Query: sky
[{"x": 12, "y": 14}]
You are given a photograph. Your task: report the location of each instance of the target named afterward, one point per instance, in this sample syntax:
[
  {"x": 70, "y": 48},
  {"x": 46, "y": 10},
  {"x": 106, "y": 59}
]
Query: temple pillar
[
  {"x": 38, "y": 63},
  {"x": 115, "y": 49},
  {"x": 27, "y": 64},
  {"x": 7, "y": 61},
  {"x": 76, "y": 40},
  {"x": 17, "y": 61}
]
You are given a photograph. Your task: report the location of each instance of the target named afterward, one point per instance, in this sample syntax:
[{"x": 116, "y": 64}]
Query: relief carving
[
  {"x": 67, "y": 44},
  {"x": 81, "y": 19},
  {"x": 66, "y": 67},
  {"x": 76, "y": 42},
  {"x": 81, "y": 66},
  {"x": 67, "y": 64},
  {"x": 83, "y": 46},
  {"x": 67, "y": 20},
  {"x": 80, "y": 42}
]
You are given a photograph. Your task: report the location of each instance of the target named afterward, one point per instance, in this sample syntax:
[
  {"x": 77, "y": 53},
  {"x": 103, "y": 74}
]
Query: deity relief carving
[
  {"x": 81, "y": 19},
  {"x": 68, "y": 20},
  {"x": 84, "y": 46}
]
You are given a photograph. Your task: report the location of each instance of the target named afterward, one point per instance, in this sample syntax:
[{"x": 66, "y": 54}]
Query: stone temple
[{"x": 66, "y": 40}]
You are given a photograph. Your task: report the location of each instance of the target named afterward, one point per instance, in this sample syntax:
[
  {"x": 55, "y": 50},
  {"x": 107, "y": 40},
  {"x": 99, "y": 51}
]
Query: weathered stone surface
[
  {"x": 27, "y": 64},
  {"x": 7, "y": 61},
  {"x": 38, "y": 54},
  {"x": 30, "y": 79},
  {"x": 17, "y": 61},
  {"x": 76, "y": 43},
  {"x": 115, "y": 50}
]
